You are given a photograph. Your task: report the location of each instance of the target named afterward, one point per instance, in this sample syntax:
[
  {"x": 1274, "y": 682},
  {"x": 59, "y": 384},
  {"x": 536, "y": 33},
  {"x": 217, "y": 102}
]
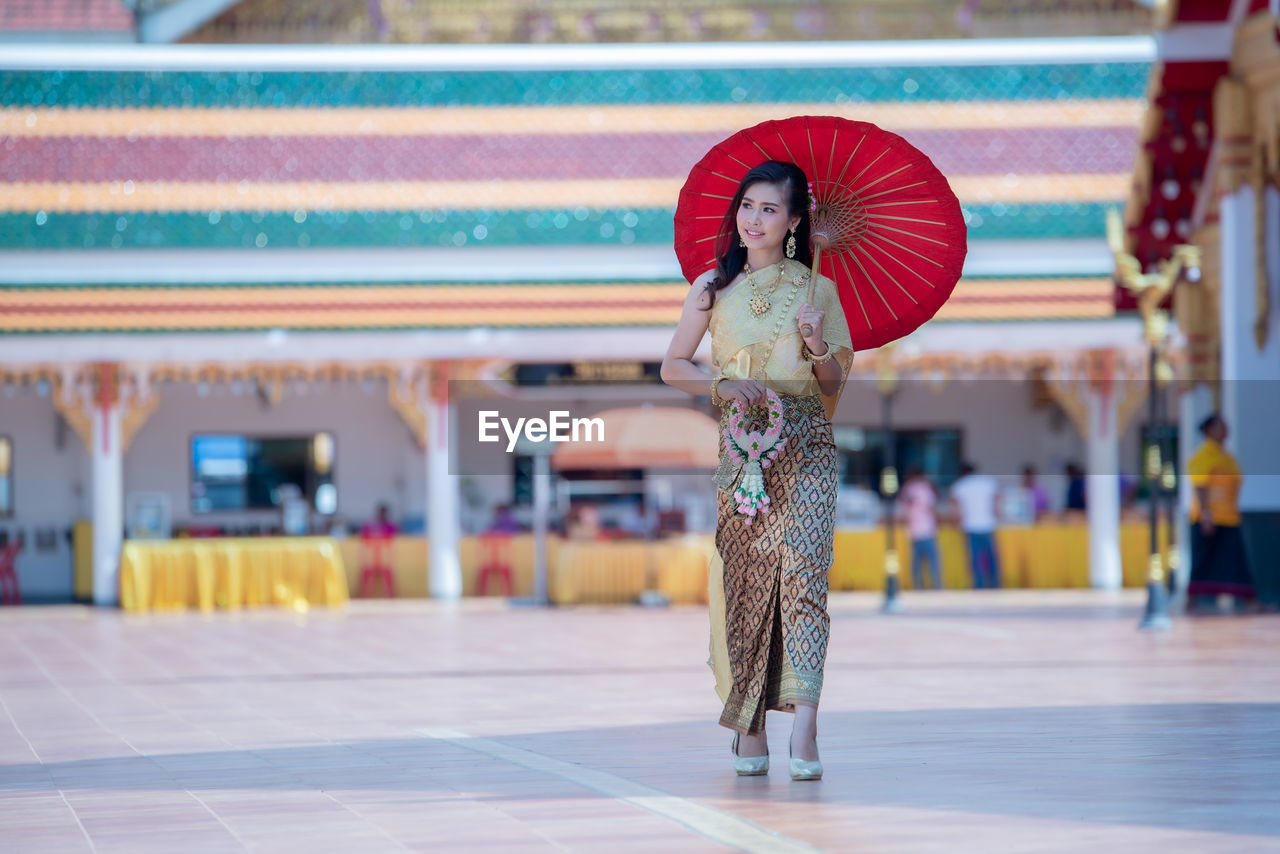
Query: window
[
  {"x": 862, "y": 455},
  {"x": 230, "y": 472},
  {"x": 6, "y": 476},
  {"x": 522, "y": 488}
]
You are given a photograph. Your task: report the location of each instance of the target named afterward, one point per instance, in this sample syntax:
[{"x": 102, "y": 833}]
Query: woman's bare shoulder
[{"x": 699, "y": 295}]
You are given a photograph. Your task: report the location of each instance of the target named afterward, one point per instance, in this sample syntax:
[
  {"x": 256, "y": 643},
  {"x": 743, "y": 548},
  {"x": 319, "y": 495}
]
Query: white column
[
  {"x": 1193, "y": 407},
  {"x": 1251, "y": 374},
  {"x": 443, "y": 501},
  {"x": 1102, "y": 494},
  {"x": 541, "y": 516},
  {"x": 108, "y": 504}
]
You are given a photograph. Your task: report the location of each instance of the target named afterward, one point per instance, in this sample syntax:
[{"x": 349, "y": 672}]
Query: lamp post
[
  {"x": 1156, "y": 616},
  {"x": 887, "y": 380},
  {"x": 1151, "y": 289},
  {"x": 1169, "y": 485}
]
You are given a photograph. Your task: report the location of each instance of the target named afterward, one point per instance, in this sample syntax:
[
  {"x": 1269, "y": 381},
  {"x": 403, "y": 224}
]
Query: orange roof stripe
[
  {"x": 72, "y": 309},
  {"x": 121, "y": 196}
]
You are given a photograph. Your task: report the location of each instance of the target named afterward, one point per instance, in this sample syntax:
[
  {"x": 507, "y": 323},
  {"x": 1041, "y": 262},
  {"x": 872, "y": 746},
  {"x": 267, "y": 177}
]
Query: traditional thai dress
[{"x": 768, "y": 579}]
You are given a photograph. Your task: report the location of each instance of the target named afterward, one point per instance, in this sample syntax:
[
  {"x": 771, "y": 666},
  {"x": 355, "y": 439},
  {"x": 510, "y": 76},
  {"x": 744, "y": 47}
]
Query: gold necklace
[
  {"x": 796, "y": 282},
  {"x": 760, "y": 303}
]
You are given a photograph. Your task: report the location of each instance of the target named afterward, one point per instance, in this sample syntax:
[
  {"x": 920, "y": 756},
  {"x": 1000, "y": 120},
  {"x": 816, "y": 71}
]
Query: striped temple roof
[
  {"x": 79, "y": 17},
  {"x": 261, "y": 160},
  {"x": 461, "y": 305}
]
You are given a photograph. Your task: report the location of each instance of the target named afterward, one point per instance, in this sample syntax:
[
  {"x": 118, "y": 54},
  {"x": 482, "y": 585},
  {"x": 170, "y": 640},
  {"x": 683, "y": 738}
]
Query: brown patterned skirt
[{"x": 775, "y": 573}]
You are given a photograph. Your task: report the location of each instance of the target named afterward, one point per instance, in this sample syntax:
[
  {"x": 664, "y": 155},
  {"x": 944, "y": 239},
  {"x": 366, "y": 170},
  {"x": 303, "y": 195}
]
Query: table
[
  {"x": 230, "y": 573},
  {"x": 1047, "y": 555}
]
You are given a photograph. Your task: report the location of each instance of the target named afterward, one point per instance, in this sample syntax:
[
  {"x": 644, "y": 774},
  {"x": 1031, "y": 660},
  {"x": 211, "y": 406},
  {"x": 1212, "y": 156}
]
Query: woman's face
[{"x": 763, "y": 220}]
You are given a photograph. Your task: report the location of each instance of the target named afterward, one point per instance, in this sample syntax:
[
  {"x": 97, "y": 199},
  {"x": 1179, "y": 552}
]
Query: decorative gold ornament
[
  {"x": 760, "y": 303},
  {"x": 817, "y": 360},
  {"x": 715, "y": 394}
]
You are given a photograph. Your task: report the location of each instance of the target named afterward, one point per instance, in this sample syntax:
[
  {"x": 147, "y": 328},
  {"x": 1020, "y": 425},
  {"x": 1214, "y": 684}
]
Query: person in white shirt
[
  {"x": 918, "y": 501},
  {"x": 975, "y": 497}
]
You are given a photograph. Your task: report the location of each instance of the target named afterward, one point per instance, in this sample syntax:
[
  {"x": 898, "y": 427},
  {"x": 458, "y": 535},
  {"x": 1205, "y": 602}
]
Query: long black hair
[{"x": 730, "y": 257}]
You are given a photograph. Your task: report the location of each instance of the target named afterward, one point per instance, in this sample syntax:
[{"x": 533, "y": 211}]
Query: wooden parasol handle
[{"x": 819, "y": 242}]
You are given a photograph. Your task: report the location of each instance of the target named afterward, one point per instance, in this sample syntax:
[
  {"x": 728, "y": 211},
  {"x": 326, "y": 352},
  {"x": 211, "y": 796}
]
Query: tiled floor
[{"x": 1010, "y": 722}]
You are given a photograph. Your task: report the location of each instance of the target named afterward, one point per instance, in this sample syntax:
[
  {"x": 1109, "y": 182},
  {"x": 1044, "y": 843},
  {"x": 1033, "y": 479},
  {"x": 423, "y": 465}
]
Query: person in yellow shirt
[{"x": 1219, "y": 563}]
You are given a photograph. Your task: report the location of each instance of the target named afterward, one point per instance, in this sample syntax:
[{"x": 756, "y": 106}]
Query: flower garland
[{"x": 756, "y": 450}]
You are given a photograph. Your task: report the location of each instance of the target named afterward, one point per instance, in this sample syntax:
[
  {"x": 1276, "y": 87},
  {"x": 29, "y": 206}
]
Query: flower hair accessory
[
  {"x": 756, "y": 450},
  {"x": 813, "y": 198}
]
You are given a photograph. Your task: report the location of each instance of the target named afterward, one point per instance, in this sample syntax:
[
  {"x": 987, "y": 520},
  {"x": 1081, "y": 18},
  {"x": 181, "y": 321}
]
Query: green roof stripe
[
  {"x": 333, "y": 228},
  {"x": 246, "y": 89},
  {"x": 600, "y": 227}
]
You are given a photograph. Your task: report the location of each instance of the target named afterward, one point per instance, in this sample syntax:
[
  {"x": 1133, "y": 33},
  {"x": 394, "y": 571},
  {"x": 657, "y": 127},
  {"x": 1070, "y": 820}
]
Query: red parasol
[{"x": 887, "y": 227}]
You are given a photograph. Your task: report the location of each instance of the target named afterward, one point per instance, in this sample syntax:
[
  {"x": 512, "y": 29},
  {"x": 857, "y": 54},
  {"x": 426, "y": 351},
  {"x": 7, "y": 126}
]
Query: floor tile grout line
[
  {"x": 709, "y": 822},
  {"x": 372, "y": 824},
  {"x": 62, "y": 689},
  {"x": 80, "y": 824},
  {"x": 62, "y": 796},
  {"x": 18, "y": 729},
  {"x": 115, "y": 681},
  {"x": 219, "y": 819},
  {"x": 81, "y": 706}
]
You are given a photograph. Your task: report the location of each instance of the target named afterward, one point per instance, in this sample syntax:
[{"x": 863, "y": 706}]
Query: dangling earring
[
  {"x": 741, "y": 242},
  {"x": 791, "y": 245}
]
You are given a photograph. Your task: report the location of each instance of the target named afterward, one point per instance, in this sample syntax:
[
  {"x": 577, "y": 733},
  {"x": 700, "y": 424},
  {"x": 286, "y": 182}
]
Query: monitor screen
[{"x": 231, "y": 472}]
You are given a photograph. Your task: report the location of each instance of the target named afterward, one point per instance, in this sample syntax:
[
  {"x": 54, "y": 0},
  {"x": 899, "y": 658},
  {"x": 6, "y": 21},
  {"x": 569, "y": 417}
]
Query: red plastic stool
[
  {"x": 9, "y": 592},
  {"x": 495, "y": 560},
  {"x": 377, "y": 565}
]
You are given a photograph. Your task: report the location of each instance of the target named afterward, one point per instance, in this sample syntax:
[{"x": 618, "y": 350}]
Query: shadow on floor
[{"x": 1203, "y": 766}]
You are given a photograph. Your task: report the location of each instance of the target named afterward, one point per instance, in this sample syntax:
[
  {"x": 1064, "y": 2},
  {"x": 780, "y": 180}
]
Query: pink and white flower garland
[{"x": 756, "y": 450}]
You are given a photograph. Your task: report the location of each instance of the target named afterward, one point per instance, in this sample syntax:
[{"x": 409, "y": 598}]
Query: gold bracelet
[
  {"x": 817, "y": 360},
  {"x": 715, "y": 396}
]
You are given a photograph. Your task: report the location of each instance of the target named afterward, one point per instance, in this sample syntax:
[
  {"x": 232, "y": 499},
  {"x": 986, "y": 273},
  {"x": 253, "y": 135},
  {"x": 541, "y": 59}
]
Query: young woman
[{"x": 778, "y": 365}]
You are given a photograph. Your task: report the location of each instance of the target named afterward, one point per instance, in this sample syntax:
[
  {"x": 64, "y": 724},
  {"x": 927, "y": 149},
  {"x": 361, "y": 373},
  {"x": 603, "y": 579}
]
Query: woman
[
  {"x": 919, "y": 503},
  {"x": 780, "y": 361},
  {"x": 1219, "y": 560}
]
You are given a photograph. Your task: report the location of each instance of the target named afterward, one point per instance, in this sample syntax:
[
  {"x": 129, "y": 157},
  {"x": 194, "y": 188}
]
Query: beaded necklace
[
  {"x": 782, "y": 315},
  {"x": 760, "y": 303},
  {"x": 755, "y": 450}
]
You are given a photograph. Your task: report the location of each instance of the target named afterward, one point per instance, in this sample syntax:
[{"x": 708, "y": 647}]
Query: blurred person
[
  {"x": 504, "y": 521},
  {"x": 918, "y": 501},
  {"x": 1037, "y": 495},
  {"x": 1219, "y": 562},
  {"x": 1075, "y": 499},
  {"x": 975, "y": 497},
  {"x": 769, "y": 576},
  {"x": 635, "y": 520},
  {"x": 381, "y": 527},
  {"x": 584, "y": 523}
]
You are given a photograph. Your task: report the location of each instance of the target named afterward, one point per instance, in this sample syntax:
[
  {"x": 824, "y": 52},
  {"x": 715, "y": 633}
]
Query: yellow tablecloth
[
  {"x": 1053, "y": 554},
  {"x": 577, "y": 571},
  {"x": 1050, "y": 554},
  {"x": 410, "y": 557},
  {"x": 293, "y": 572}
]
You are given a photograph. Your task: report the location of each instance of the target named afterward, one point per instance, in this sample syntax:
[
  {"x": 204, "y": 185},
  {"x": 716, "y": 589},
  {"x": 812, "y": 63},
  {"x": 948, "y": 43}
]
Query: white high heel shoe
[
  {"x": 748, "y": 766},
  {"x": 803, "y": 769}
]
